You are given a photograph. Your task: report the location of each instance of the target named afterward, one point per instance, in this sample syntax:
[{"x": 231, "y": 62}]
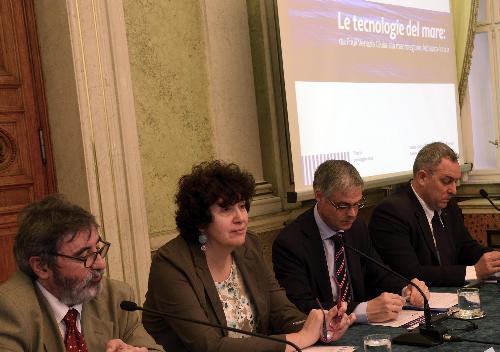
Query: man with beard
[
  {"x": 59, "y": 300},
  {"x": 310, "y": 261},
  {"x": 419, "y": 230}
]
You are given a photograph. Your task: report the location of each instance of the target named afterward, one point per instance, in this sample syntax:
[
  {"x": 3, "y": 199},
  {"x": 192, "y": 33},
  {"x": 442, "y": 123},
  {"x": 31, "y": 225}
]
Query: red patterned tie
[
  {"x": 73, "y": 340},
  {"x": 341, "y": 274}
]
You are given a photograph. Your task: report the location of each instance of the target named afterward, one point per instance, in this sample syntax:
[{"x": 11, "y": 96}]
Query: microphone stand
[
  {"x": 451, "y": 338},
  {"x": 484, "y": 194},
  {"x": 428, "y": 334},
  {"x": 132, "y": 306}
]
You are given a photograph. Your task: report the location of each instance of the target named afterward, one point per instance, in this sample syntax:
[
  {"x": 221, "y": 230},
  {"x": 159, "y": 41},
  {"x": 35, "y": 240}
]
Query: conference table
[{"x": 488, "y": 327}]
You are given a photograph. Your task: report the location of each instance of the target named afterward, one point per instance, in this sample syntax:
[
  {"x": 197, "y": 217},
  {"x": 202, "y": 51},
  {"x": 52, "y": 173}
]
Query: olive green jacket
[
  {"x": 180, "y": 283},
  {"x": 27, "y": 322}
]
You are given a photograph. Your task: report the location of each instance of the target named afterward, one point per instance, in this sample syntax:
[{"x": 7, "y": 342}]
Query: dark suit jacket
[
  {"x": 300, "y": 265},
  {"x": 27, "y": 322},
  {"x": 402, "y": 235},
  {"x": 180, "y": 283}
]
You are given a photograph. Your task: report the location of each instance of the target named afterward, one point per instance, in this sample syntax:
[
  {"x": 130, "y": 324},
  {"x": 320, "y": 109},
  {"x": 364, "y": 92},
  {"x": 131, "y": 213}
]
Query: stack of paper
[
  {"x": 329, "y": 349},
  {"x": 412, "y": 316}
]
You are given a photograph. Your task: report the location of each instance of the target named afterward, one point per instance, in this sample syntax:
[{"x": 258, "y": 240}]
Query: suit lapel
[
  {"x": 426, "y": 231},
  {"x": 201, "y": 267},
  {"x": 354, "y": 269},
  {"x": 448, "y": 227},
  {"x": 52, "y": 339},
  {"x": 96, "y": 331},
  {"x": 423, "y": 223},
  {"x": 253, "y": 284},
  {"x": 313, "y": 245}
]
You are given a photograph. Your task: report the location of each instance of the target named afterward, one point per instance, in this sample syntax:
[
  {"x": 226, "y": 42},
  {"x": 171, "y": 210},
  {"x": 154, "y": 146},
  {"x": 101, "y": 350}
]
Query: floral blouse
[{"x": 238, "y": 308}]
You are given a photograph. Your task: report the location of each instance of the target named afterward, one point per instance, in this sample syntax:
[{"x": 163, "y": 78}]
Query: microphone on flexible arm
[
  {"x": 428, "y": 334},
  {"x": 132, "y": 307},
  {"x": 484, "y": 194}
]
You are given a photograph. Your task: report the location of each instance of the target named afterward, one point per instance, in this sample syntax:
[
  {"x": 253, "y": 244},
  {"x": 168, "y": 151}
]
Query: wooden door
[{"x": 26, "y": 167}]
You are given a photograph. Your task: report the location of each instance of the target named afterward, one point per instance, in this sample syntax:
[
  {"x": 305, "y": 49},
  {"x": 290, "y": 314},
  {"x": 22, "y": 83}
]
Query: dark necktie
[
  {"x": 73, "y": 341},
  {"x": 341, "y": 274},
  {"x": 443, "y": 244}
]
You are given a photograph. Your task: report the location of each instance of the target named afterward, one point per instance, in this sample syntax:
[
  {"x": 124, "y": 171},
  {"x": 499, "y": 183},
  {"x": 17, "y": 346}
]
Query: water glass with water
[
  {"x": 469, "y": 304},
  {"x": 377, "y": 343}
]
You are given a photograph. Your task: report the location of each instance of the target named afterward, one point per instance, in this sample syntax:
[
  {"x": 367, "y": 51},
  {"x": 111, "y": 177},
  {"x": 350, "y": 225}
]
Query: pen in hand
[
  {"x": 338, "y": 318},
  {"x": 299, "y": 322}
]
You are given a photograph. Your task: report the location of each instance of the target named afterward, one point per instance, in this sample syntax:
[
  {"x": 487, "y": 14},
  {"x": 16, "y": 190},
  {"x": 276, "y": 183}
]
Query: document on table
[
  {"x": 443, "y": 300},
  {"x": 405, "y": 317},
  {"x": 329, "y": 349},
  {"x": 470, "y": 274},
  {"x": 409, "y": 316}
]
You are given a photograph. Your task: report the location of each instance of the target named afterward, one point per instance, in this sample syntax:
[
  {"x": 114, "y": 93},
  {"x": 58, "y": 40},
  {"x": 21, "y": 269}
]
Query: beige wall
[
  {"x": 170, "y": 84},
  {"x": 192, "y": 71},
  {"x": 192, "y": 79},
  {"x": 193, "y": 84}
]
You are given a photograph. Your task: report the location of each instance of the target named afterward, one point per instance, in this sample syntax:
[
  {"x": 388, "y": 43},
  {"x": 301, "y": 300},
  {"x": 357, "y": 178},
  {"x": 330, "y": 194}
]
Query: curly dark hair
[
  {"x": 208, "y": 183},
  {"x": 43, "y": 225}
]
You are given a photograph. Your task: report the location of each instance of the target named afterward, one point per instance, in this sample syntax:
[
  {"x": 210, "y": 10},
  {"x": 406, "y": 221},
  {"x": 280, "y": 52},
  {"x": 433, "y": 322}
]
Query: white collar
[
  {"x": 429, "y": 213},
  {"x": 324, "y": 230},
  {"x": 59, "y": 309}
]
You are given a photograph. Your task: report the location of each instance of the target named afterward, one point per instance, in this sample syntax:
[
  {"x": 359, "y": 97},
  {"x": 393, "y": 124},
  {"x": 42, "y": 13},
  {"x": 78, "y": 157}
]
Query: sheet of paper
[
  {"x": 470, "y": 273},
  {"x": 411, "y": 318},
  {"x": 441, "y": 300},
  {"x": 405, "y": 317},
  {"x": 329, "y": 349}
]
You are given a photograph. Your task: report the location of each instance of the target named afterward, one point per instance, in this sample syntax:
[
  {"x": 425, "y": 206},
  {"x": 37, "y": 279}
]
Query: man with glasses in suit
[
  {"x": 59, "y": 299},
  {"x": 311, "y": 263}
]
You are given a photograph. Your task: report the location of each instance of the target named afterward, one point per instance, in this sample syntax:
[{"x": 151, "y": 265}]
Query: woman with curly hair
[{"x": 214, "y": 271}]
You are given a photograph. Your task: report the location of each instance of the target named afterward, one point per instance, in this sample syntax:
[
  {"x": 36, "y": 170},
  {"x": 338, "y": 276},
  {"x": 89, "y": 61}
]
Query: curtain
[{"x": 464, "y": 25}]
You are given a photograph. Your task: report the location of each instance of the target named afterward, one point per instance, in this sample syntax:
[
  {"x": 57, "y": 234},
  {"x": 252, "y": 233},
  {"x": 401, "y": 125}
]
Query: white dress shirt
[
  {"x": 470, "y": 271},
  {"x": 59, "y": 310},
  {"x": 328, "y": 245}
]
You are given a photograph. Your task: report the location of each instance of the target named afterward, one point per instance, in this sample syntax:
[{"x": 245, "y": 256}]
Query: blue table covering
[{"x": 488, "y": 327}]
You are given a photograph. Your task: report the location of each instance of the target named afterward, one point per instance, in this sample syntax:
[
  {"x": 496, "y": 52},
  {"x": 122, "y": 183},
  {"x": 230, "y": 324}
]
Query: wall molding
[
  {"x": 109, "y": 132},
  {"x": 478, "y": 206}
]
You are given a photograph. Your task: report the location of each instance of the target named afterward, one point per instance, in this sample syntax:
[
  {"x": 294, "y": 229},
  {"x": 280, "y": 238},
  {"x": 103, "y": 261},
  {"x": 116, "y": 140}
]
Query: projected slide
[{"x": 370, "y": 82}]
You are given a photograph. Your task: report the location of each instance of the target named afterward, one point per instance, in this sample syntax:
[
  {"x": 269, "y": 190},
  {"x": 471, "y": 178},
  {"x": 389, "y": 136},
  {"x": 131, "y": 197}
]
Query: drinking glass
[
  {"x": 377, "y": 343},
  {"x": 469, "y": 304}
]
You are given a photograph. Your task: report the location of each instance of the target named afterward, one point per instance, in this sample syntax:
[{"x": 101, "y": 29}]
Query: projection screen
[{"x": 370, "y": 82}]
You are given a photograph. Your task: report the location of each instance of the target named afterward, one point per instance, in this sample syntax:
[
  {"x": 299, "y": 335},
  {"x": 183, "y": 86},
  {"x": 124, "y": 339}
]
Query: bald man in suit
[{"x": 419, "y": 230}]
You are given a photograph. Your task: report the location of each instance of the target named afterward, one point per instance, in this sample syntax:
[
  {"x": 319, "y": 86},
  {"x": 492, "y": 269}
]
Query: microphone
[
  {"x": 451, "y": 338},
  {"x": 428, "y": 334},
  {"x": 484, "y": 194},
  {"x": 132, "y": 307}
]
